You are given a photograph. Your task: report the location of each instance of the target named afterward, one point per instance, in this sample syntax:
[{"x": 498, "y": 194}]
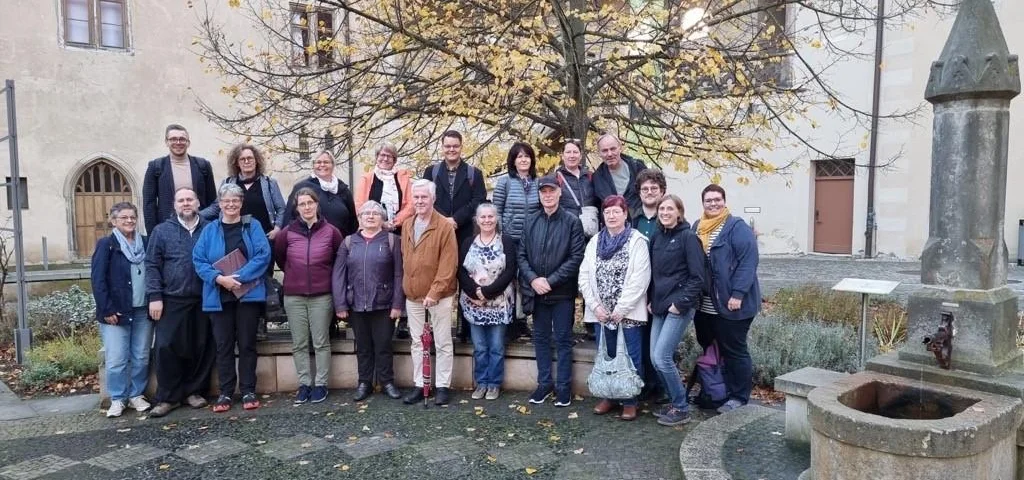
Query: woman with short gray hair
[
  {"x": 231, "y": 257},
  {"x": 119, "y": 288}
]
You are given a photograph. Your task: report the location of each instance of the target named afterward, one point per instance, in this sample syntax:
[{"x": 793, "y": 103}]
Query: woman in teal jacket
[{"x": 233, "y": 300}]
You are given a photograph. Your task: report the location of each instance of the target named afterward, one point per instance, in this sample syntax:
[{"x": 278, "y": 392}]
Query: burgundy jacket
[{"x": 306, "y": 256}]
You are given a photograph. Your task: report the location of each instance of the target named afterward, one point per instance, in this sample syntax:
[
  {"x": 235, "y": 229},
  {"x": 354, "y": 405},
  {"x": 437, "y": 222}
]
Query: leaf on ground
[
  {"x": 470, "y": 429},
  {"x": 531, "y": 470},
  {"x": 344, "y": 468},
  {"x": 511, "y": 435},
  {"x": 306, "y": 445},
  {"x": 232, "y": 418},
  {"x": 554, "y": 438},
  {"x": 123, "y": 430},
  {"x": 578, "y": 451},
  {"x": 164, "y": 466},
  {"x": 573, "y": 416},
  {"x": 501, "y": 444},
  {"x": 253, "y": 419},
  {"x": 366, "y": 428},
  {"x": 328, "y": 414},
  {"x": 59, "y": 432},
  {"x": 546, "y": 423},
  {"x": 260, "y": 442},
  {"x": 523, "y": 410},
  {"x": 353, "y": 438},
  {"x": 463, "y": 402},
  {"x": 203, "y": 427},
  {"x": 491, "y": 458},
  {"x": 170, "y": 426}
]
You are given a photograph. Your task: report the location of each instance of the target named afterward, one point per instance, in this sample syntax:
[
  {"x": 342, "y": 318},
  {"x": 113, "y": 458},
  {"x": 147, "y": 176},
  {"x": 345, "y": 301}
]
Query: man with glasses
[
  {"x": 651, "y": 184},
  {"x": 167, "y": 174},
  {"x": 617, "y": 174}
]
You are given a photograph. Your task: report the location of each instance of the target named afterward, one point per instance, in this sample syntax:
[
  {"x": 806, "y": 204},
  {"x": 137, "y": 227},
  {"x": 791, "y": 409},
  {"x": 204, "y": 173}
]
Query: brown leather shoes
[
  {"x": 603, "y": 407},
  {"x": 628, "y": 413}
]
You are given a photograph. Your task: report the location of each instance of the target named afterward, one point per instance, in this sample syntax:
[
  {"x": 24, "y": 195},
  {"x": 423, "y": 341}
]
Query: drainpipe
[{"x": 869, "y": 230}]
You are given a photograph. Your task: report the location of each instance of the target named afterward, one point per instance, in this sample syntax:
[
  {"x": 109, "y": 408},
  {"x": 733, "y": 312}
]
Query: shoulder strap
[
  {"x": 348, "y": 242},
  {"x": 435, "y": 171},
  {"x": 391, "y": 241},
  {"x": 561, "y": 180}
]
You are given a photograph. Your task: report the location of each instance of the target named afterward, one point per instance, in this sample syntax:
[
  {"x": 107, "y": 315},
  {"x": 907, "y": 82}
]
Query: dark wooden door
[{"x": 833, "y": 206}]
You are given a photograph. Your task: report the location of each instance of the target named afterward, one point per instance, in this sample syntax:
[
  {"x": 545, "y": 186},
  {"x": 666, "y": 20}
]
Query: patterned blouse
[
  {"x": 485, "y": 263},
  {"x": 610, "y": 281}
]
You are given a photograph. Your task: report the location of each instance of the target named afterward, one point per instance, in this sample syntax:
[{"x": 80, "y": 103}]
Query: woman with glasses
[
  {"x": 119, "y": 288},
  {"x": 367, "y": 285},
  {"x": 388, "y": 186},
  {"x": 337, "y": 205},
  {"x": 305, "y": 252},
  {"x": 247, "y": 169},
  {"x": 731, "y": 295},
  {"x": 233, "y": 296}
]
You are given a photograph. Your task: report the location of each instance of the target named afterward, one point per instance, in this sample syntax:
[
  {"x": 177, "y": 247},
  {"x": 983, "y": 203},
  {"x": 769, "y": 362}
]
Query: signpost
[
  {"x": 865, "y": 287},
  {"x": 22, "y": 334}
]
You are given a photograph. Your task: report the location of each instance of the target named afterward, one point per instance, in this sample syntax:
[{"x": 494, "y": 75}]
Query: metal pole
[
  {"x": 863, "y": 327},
  {"x": 22, "y": 334},
  {"x": 46, "y": 255}
]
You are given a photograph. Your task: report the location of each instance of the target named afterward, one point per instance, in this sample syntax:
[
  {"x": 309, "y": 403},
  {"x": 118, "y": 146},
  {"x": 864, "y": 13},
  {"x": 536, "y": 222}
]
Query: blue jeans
[
  {"x": 556, "y": 317},
  {"x": 126, "y": 354},
  {"x": 634, "y": 346},
  {"x": 488, "y": 355},
  {"x": 666, "y": 332}
]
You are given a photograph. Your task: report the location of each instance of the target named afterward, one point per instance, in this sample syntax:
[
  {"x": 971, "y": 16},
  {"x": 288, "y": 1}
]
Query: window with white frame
[
  {"x": 312, "y": 35},
  {"x": 95, "y": 23}
]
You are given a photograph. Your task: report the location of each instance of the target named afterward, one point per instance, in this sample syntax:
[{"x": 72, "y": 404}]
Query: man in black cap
[{"x": 550, "y": 254}]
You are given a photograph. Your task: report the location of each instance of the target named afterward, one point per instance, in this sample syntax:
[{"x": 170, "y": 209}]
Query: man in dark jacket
[
  {"x": 184, "y": 347},
  {"x": 165, "y": 175},
  {"x": 550, "y": 254},
  {"x": 617, "y": 174}
]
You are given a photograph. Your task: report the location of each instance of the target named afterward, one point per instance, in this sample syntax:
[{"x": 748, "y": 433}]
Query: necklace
[{"x": 489, "y": 242}]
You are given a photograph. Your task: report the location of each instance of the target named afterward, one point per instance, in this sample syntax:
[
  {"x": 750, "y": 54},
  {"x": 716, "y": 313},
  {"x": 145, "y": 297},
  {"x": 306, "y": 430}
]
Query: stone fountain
[{"x": 948, "y": 404}]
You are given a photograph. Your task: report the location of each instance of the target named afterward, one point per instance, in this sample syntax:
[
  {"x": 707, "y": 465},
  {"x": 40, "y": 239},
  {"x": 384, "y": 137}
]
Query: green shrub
[
  {"x": 817, "y": 303},
  {"x": 62, "y": 314},
  {"x": 62, "y": 358}
]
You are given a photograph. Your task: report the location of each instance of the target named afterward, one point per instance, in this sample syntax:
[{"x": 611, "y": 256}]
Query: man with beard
[{"x": 184, "y": 346}]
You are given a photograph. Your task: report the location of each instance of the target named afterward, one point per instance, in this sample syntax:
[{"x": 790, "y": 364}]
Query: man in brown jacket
[{"x": 430, "y": 259}]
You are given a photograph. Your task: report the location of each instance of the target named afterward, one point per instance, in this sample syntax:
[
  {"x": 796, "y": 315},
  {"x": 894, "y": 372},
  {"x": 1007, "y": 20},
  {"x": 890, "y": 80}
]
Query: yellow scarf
[{"x": 707, "y": 225}]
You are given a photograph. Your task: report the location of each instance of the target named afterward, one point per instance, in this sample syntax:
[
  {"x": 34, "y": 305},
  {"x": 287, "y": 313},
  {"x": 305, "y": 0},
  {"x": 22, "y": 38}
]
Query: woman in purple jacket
[
  {"x": 305, "y": 252},
  {"x": 368, "y": 293}
]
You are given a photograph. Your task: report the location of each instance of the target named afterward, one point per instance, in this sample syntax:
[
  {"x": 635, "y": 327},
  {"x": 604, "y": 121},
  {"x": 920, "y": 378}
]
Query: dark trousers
[
  {"x": 731, "y": 335},
  {"x": 236, "y": 324},
  {"x": 183, "y": 350},
  {"x": 553, "y": 318},
  {"x": 373, "y": 331},
  {"x": 652, "y": 381}
]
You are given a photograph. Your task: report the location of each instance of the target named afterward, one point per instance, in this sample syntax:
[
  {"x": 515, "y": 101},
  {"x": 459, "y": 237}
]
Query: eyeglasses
[
  {"x": 650, "y": 189},
  {"x": 307, "y": 204},
  {"x": 246, "y": 159},
  {"x": 452, "y": 147},
  {"x": 177, "y": 139},
  {"x": 231, "y": 201},
  {"x": 126, "y": 218},
  {"x": 714, "y": 200},
  {"x": 371, "y": 214}
]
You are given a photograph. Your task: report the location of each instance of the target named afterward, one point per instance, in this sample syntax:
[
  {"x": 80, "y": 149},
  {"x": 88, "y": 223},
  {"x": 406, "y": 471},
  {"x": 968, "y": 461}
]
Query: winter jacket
[
  {"x": 732, "y": 273},
  {"x": 306, "y": 256},
  {"x": 368, "y": 274},
  {"x": 429, "y": 266},
  {"x": 551, "y": 247},
  {"x": 515, "y": 203},
  {"x": 468, "y": 195},
  {"x": 604, "y": 185},
  {"x": 271, "y": 196},
  {"x": 112, "y": 278},
  {"x": 677, "y": 269},
  {"x": 582, "y": 187},
  {"x": 158, "y": 189},
  {"x": 632, "y": 302},
  {"x": 339, "y": 209},
  {"x": 210, "y": 248},
  {"x": 169, "y": 267},
  {"x": 404, "y": 180},
  {"x": 498, "y": 286}
]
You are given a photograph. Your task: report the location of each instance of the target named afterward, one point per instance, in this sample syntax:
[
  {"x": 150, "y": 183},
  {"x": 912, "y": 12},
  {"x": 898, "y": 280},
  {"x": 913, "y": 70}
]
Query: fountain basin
[{"x": 877, "y": 426}]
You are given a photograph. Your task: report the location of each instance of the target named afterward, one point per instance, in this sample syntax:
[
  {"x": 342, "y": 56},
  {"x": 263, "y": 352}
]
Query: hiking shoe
[
  {"x": 163, "y": 408},
  {"x": 318, "y": 394},
  {"x": 479, "y": 393},
  {"x": 563, "y": 398},
  {"x": 222, "y": 404},
  {"x": 196, "y": 401},
  {"x": 250, "y": 402},
  {"x": 493, "y": 393},
  {"x": 541, "y": 394},
  {"x": 731, "y": 405},
  {"x": 139, "y": 403},
  {"x": 662, "y": 411},
  {"x": 302, "y": 396},
  {"x": 116, "y": 408},
  {"x": 674, "y": 417}
]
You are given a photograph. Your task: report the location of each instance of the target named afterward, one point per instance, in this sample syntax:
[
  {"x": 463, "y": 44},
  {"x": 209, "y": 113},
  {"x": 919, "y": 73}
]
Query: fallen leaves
[
  {"x": 123, "y": 430},
  {"x": 164, "y": 466},
  {"x": 578, "y": 451},
  {"x": 531, "y": 470},
  {"x": 573, "y": 415}
]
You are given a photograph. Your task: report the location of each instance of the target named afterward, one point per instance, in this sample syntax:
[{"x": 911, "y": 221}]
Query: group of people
[{"x": 433, "y": 249}]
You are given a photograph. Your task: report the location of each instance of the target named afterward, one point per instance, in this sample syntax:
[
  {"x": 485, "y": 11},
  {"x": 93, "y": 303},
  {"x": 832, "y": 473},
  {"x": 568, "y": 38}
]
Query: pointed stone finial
[{"x": 975, "y": 63}]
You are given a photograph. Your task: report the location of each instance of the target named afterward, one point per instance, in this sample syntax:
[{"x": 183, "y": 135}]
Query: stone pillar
[{"x": 965, "y": 259}]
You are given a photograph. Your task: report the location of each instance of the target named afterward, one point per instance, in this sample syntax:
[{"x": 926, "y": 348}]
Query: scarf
[
  {"x": 707, "y": 225},
  {"x": 608, "y": 245},
  {"x": 388, "y": 191},
  {"x": 133, "y": 251},
  {"x": 331, "y": 186}
]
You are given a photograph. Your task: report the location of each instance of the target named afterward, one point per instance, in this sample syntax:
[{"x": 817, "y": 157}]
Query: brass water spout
[{"x": 941, "y": 342}]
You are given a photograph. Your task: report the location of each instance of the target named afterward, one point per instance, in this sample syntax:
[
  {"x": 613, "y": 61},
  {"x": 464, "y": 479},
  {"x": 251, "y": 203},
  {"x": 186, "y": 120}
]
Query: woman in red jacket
[{"x": 305, "y": 252}]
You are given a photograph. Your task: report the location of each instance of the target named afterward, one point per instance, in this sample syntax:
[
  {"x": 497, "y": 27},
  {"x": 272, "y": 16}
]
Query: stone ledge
[
  {"x": 800, "y": 382},
  {"x": 700, "y": 454}
]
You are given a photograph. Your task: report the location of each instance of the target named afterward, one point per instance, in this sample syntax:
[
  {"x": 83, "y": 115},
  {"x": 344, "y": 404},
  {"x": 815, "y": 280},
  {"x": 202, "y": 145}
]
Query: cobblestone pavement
[
  {"x": 381, "y": 438},
  {"x": 758, "y": 451}
]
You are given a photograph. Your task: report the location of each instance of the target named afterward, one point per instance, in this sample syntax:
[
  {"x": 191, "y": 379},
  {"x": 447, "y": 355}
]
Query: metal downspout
[{"x": 870, "y": 227}]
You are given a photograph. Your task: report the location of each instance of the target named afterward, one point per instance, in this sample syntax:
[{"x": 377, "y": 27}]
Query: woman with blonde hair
[
  {"x": 336, "y": 202},
  {"x": 389, "y": 186}
]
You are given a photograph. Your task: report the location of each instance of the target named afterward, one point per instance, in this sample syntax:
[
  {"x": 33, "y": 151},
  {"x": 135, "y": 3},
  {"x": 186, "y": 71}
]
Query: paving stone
[
  {"x": 524, "y": 455},
  {"x": 370, "y": 446},
  {"x": 37, "y": 467},
  {"x": 774, "y": 459},
  {"x": 292, "y": 447},
  {"x": 448, "y": 449},
  {"x": 211, "y": 450},
  {"x": 127, "y": 457}
]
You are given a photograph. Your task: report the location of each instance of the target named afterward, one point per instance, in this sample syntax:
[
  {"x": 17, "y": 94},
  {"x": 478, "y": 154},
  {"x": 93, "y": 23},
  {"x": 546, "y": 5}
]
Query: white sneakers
[
  {"x": 117, "y": 407},
  {"x": 139, "y": 403}
]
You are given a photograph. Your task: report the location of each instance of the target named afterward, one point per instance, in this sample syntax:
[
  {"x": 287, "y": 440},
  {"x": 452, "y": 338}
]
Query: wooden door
[
  {"x": 98, "y": 188},
  {"x": 833, "y": 206}
]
